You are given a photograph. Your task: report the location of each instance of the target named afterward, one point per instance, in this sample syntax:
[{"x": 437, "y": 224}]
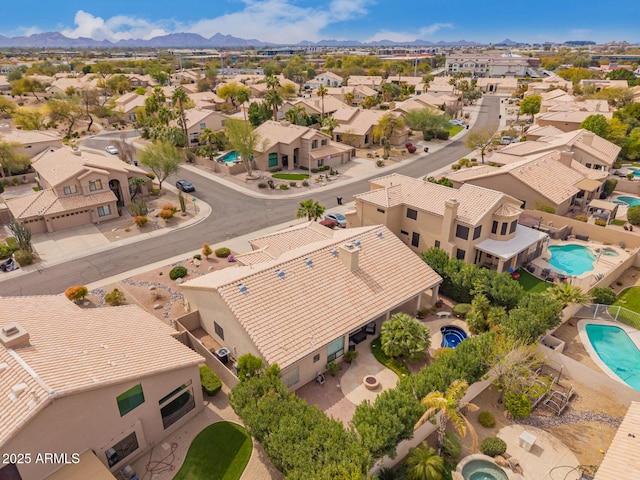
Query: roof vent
[
  {"x": 12, "y": 335},
  {"x": 357, "y": 243},
  {"x": 17, "y": 390},
  {"x": 379, "y": 234},
  {"x": 309, "y": 262},
  {"x": 333, "y": 252},
  {"x": 280, "y": 273},
  {"x": 243, "y": 288}
]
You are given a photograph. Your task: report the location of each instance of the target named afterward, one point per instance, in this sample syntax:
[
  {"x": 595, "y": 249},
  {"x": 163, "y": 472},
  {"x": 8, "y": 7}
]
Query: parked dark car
[{"x": 185, "y": 186}]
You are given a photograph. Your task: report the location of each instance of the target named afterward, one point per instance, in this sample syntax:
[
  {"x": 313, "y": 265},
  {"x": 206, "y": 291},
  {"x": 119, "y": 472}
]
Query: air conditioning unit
[{"x": 128, "y": 473}]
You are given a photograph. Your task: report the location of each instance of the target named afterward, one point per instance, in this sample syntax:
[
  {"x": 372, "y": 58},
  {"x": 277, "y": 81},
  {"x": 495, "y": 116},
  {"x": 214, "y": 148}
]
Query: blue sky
[{"x": 290, "y": 21}]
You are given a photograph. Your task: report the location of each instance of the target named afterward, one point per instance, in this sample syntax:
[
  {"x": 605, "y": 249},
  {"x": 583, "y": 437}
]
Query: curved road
[{"x": 233, "y": 214}]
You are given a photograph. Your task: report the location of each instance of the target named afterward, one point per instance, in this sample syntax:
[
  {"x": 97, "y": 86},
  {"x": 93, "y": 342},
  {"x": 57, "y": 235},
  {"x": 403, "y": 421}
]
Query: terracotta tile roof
[
  {"x": 29, "y": 136},
  {"x": 365, "y": 80},
  {"x": 547, "y": 130},
  {"x": 276, "y": 132},
  {"x": 474, "y": 201},
  {"x": 45, "y": 202},
  {"x": 569, "y": 117},
  {"x": 74, "y": 349},
  {"x": 360, "y": 123},
  {"x": 622, "y": 460},
  {"x": 288, "y": 318}
]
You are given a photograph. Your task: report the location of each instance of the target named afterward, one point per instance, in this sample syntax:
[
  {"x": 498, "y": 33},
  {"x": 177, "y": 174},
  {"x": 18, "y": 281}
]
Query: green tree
[
  {"x": 66, "y": 110},
  {"x": 568, "y": 294},
  {"x": 535, "y": 314},
  {"x": 249, "y": 366},
  {"x": 11, "y": 160},
  {"x": 322, "y": 92},
  {"x": 28, "y": 85},
  {"x": 29, "y": 119},
  {"x": 329, "y": 124},
  {"x": 427, "y": 120},
  {"x": 259, "y": 113},
  {"x": 480, "y": 140},
  {"x": 505, "y": 291},
  {"x": 477, "y": 316},
  {"x": 633, "y": 215},
  {"x": 530, "y": 105},
  {"x": 310, "y": 209},
  {"x": 603, "y": 295},
  {"x": 180, "y": 99},
  {"x": 162, "y": 158},
  {"x": 7, "y": 107},
  {"x": 274, "y": 100},
  {"x": 244, "y": 140},
  {"x": 404, "y": 336},
  {"x": 449, "y": 406},
  {"x": 242, "y": 97},
  {"x": 424, "y": 463},
  {"x": 597, "y": 124},
  {"x": 297, "y": 115},
  {"x": 387, "y": 125}
]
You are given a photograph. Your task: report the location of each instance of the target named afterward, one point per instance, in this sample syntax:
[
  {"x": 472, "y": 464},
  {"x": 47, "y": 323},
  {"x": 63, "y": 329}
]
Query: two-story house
[{"x": 326, "y": 79}]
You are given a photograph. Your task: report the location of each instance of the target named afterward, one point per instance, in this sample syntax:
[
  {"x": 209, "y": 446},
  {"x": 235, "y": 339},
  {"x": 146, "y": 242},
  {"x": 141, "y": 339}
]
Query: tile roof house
[
  {"x": 356, "y": 127},
  {"x": 197, "y": 120},
  {"x": 76, "y": 188},
  {"x": 506, "y": 85},
  {"x": 75, "y": 380},
  {"x": 62, "y": 85},
  {"x": 427, "y": 100},
  {"x": 306, "y": 294},
  {"x": 471, "y": 223},
  {"x": 33, "y": 142},
  {"x": 313, "y": 105},
  {"x": 371, "y": 81},
  {"x": 567, "y": 121},
  {"x": 359, "y": 93},
  {"x": 287, "y": 146},
  {"x": 327, "y": 79},
  {"x": 622, "y": 460},
  {"x": 548, "y": 83}
]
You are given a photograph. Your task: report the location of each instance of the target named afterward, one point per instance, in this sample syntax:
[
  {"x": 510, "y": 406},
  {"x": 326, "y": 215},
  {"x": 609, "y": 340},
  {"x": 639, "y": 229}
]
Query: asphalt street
[{"x": 233, "y": 214}]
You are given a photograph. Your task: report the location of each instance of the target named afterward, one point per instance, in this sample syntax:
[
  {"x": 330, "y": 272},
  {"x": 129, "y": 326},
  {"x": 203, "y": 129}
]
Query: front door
[{"x": 285, "y": 161}]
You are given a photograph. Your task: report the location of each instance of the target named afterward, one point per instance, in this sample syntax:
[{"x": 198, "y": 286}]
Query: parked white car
[{"x": 112, "y": 150}]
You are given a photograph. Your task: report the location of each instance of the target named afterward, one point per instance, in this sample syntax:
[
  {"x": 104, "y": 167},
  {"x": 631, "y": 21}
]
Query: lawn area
[
  {"x": 530, "y": 283},
  {"x": 220, "y": 451},
  {"x": 393, "y": 364},
  {"x": 290, "y": 176},
  {"x": 619, "y": 223},
  {"x": 454, "y": 129},
  {"x": 630, "y": 299}
]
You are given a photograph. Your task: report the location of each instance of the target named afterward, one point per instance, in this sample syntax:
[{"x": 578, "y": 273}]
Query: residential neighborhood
[{"x": 369, "y": 261}]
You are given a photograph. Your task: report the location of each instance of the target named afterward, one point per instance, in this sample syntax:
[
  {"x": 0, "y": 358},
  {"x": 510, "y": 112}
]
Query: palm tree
[
  {"x": 273, "y": 98},
  {"x": 424, "y": 463},
  {"x": 385, "y": 128},
  {"x": 403, "y": 335},
  {"x": 328, "y": 124},
  {"x": 568, "y": 294},
  {"x": 179, "y": 99},
  {"x": 243, "y": 96},
  {"x": 321, "y": 92},
  {"x": 449, "y": 406},
  {"x": 349, "y": 97},
  {"x": 297, "y": 115},
  {"x": 310, "y": 209}
]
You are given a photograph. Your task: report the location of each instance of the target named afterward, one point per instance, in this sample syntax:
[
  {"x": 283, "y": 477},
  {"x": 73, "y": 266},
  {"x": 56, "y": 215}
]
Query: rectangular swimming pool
[{"x": 618, "y": 352}]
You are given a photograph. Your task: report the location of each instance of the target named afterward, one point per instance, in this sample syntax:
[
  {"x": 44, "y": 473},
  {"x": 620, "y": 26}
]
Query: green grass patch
[
  {"x": 629, "y": 299},
  {"x": 393, "y": 364},
  {"x": 291, "y": 176},
  {"x": 531, "y": 283},
  {"x": 619, "y": 223},
  {"x": 220, "y": 451},
  {"x": 454, "y": 130}
]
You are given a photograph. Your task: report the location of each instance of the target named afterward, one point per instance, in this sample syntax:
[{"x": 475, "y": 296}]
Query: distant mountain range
[{"x": 193, "y": 40}]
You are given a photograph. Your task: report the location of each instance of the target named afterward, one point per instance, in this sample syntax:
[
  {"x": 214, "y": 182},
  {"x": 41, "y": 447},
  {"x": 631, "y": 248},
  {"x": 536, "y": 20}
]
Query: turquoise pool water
[
  {"x": 230, "y": 157},
  {"x": 617, "y": 351},
  {"x": 627, "y": 200},
  {"x": 571, "y": 259},
  {"x": 483, "y": 470}
]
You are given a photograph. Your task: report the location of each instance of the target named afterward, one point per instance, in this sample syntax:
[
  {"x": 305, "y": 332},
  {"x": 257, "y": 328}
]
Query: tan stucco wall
[
  {"x": 564, "y": 126},
  {"x": 91, "y": 420}
]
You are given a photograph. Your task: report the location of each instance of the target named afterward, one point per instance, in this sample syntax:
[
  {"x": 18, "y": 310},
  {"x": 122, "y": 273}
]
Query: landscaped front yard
[
  {"x": 630, "y": 299},
  {"x": 531, "y": 283}
]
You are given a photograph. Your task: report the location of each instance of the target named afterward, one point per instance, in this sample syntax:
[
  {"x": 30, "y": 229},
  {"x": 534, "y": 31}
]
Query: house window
[
  {"x": 177, "y": 404},
  {"x": 460, "y": 254},
  {"x": 323, "y": 142},
  {"x": 292, "y": 377},
  {"x": 514, "y": 224},
  {"x": 379, "y": 210},
  {"x": 320, "y": 163},
  {"x": 477, "y": 231},
  {"x": 219, "y": 330},
  {"x": 95, "y": 185},
  {"x": 494, "y": 227},
  {"x": 314, "y": 144},
  {"x": 122, "y": 449},
  {"x": 335, "y": 349},
  {"x": 437, "y": 244},
  {"x": 203, "y": 126},
  {"x": 104, "y": 210},
  {"x": 316, "y": 358},
  {"x": 415, "y": 240},
  {"x": 404, "y": 232},
  {"x": 412, "y": 214},
  {"x": 71, "y": 189},
  {"x": 130, "y": 399},
  {"x": 273, "y": 160},
  {"x": 503, "y": 228},
  {"x": 462, "y": 232}
]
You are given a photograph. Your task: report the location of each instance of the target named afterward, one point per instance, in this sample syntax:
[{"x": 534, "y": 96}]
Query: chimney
[
  {"x": 587, "y": 138},
  {"x": 449, "y": 220},
  {"x": 566, "y": 158},
  {"x": 12, "y": 335},
  {"x": 349, "y": 254}
]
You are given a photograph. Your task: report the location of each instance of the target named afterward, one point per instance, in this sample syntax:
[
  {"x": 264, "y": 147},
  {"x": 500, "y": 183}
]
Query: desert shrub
[
  {"x": 138, "y": 207},
  {"x": 451, "y": 445},
  {"x": 222, "y": 252},
  {"x": 151, "y": 176},
  {"x": 461, "y": 309},
  {"x": 610, "y": 186},
  {"x": 633, "y": 215},
  {"x": 166, "y": 214},
  {"x": 517, "y": 404},
  {"x": 603, "y": 295},
  {"x": 76, "y": 293},
  {"x": 206, "y": 250},
  {"x": 197, "y": 256},
  {"x": 5, "y": 251},
  {"x": 262, "y": 185},
  {"x": 464, "y": 162},
  {"x": 333, "y": 368},
  {"x": 455, "y": 167},
  {"x": 305, "y": 183},
  {"x": 600, "y": 222},
  {"x": 211, "y": 384},
  {"x": 546, "y": 209},
  {"x": 283, "y": 186},
  {"x": 23, "y": 257},
  {"x": 115, "y": 298},
  {"x": 293, "y": 184},
  {"x": 427, "y": 138},
  {"x": 442, "y": 134},
  {"x": 350, "y": 355},
  {"x": 493, "y": 446},
  {"x": 140, "y": 220},
  {"x": 170, "y": 207},
  {"x": 580, "y": 218},
  {"x": 12, "y": 243},
  {"x": 177, "y": 272},
  {"x": 486, "y": 419}
]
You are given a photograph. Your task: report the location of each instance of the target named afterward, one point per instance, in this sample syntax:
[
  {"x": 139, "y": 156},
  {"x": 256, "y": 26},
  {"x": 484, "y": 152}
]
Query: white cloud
[
  {"x": 116, "y": 28},
  {"x": 421, "y": 34}
]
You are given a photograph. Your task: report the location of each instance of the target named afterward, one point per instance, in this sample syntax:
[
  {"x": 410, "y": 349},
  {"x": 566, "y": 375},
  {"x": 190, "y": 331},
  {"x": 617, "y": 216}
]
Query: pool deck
[
  {"x": 436, "y": 336},
  {"x": 633, "y": 334}
]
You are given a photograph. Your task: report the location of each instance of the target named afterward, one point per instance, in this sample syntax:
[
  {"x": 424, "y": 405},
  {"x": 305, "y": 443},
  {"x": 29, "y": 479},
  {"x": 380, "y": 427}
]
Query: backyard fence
[{"x": 609, "y": 312}]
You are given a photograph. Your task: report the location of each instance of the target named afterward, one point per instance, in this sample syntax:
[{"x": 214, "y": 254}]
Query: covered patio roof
[
  {"x": 524, "y": 238},
  {"x": 588, "y": 185},
  {"x": 603, "y": 205}
]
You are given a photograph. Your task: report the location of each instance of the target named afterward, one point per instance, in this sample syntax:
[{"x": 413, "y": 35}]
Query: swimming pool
[
  {"x": 617, "y": 351},
  {"x": 627, "y": 199},
  {"x": 483, "y": 470},
  {"x": 451, "y": 336},
  {"x": 571, "y": 259},
  {"x": 230, "y": 157}
]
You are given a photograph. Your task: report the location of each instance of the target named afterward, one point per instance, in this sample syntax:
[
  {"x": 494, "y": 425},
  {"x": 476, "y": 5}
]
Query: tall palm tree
[
  {"x": 449, "y": 406},
  {"x": 349, "y": 97},
  {"x": 179, "y": 99},
  {"x": 424, "y": 463},
  {"x": 297, "y": 115},
  {"x": 273, "y": 98},
  {"x": 310, "y": 209},
  {"x": 328, "y": 125},
  {"x": 321, "y": 92},
  {"x": 569, "y": 294},
  {"x": 243, "y": 96}
]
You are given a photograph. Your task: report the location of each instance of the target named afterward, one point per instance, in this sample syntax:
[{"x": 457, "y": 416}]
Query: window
[
  {"x": 320, "y": 162},
  {"x": 71, "y": 189},
  {"x": 412, "y": 214},
  {"x": 404, "y": 232},
  {"x": 460, "y": 254},
  {"x": 379, "y": 210},
  {"x": 415, "y": 240},
  {"x": 273, "y": 160},
  {"x": 513, "y": 226},
  {"x": 323, "y": 142},
  {"x": 218, "y": 329},
  {"x": 462, "y": 232},
  {"x": 95, "y": 185},
  {"x": 122, "y": 449},
  {"x": 437, "y": 244},
  {"x": 104, "y": 210},
  {"x": 316, "y": 358},
  {"x": 314, "y": 144},
  {"x": 292, "y": 377},
  {"x": 503, "y": 228},
  {"x": 477, "y": 231},
  {"x": 494, "y": 227},
  {"x": 203, "y": 126},
  {"x": 335, "y": 349},
  {"x": 177, "y": 404},
  {"x": 130, "y": 399}
]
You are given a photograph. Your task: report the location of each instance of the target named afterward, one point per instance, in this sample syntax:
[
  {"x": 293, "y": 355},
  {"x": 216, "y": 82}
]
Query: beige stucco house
[
  {"x": 471, "y": 223},
  {"x": 307, "y": 294},
  {"x": 32, "y": 142},
  {"x": 371, "y": 81},
  {"x": 197, "y": 120},
  {"x": 356, "y": 127},
  {"x": 76, "y": 188},
  {"x": 287, "y": 146},
  {"x": 326, "y": 79},
  {"x": 106, "y": 384}
]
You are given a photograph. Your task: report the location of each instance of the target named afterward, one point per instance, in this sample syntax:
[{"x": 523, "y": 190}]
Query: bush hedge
[
  {"x": 23, "y": 257},
  {"x": 461, "y": 309},
  {"x": 580, "y": 218},
  {"x": 486, "y": 419},
  {"x": 211, "y": 384},
  {"x": 603, "y": 295},
  {"x": 222, "y": 252},
  {"x": 451, "y": 445},
  {"x": 493, "y": 446},
  {"x": 517, "y": 404},
  {"x": 177, "y": 272}
]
